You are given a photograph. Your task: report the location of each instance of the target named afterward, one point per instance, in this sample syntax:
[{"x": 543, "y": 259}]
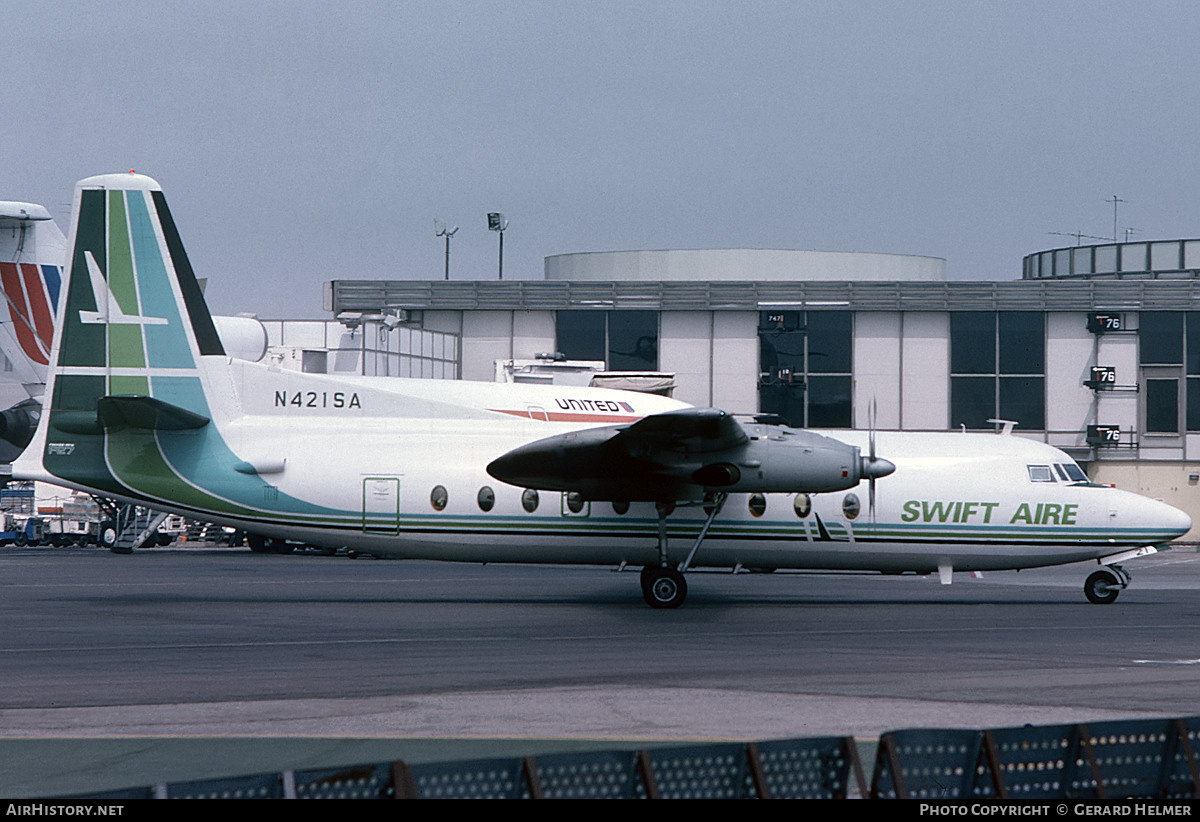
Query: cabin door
[{"x": 381, "y": 505}]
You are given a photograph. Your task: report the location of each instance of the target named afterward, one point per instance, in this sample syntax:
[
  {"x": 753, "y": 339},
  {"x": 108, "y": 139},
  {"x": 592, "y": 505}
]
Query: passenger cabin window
[
  {"x": 529, "y": 500},
  {"x": 802, "y": 505},
  {"x": 1040, "y": 473},
  {"x": 757, "y": 504}
]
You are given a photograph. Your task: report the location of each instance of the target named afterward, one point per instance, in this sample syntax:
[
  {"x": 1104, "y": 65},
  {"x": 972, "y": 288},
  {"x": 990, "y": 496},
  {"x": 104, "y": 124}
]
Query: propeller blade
[{"x": 871, "y": 410}]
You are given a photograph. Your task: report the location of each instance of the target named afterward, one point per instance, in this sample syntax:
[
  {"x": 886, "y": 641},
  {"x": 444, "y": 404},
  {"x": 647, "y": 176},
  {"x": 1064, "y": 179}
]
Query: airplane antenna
[
  {"x": 1006, "y": 426},
  {"x": 440, "y": 227}
]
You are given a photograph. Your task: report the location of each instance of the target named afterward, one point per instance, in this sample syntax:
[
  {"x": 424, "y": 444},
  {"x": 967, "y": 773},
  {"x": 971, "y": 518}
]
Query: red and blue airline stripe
[{"x": 31, "y": 291}]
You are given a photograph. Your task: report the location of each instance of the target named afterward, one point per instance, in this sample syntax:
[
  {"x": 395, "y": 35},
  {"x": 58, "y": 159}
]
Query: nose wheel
[
  {"x": 663, "y": 587},
  {"x": 1102, "y": 586}
]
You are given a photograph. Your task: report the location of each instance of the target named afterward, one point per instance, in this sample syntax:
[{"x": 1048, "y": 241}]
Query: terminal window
[
  {"x": 1169, "y": 352},
  {"x": 805, "y": 367},
  {"x": 624, "y": 340},
  {"x": 997, "y": 368}
]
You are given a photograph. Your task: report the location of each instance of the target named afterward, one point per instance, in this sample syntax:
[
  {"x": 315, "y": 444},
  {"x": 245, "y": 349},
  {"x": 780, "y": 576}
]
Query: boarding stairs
[{"x": 128, "y": 526}]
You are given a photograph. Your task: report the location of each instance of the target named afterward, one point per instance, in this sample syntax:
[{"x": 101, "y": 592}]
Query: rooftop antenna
[
  {"x": 440, "y": 228},
  {"x": 1129, "y": 231},
  {"x": 1078, "y": 235},
  {"x": 1114, "y": 200}
]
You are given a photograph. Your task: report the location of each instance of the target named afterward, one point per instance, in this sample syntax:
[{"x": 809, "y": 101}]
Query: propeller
[{"x": 873, "y": 467}]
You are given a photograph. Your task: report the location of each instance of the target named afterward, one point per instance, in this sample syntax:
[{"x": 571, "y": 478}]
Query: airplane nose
[
  {"x": 1151, "y": 520},
  {"x": 1169, "y": 519},
  {"x": 1180, "y": 521}
]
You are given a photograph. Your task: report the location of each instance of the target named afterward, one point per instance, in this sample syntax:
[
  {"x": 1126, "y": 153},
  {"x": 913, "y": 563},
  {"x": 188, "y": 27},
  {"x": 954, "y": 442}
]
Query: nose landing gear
[{"x": 1102, "y": 587}]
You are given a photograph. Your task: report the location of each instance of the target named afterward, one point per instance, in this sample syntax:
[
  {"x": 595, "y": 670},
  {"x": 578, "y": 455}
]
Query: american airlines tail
[{"x": 32, "y": 250}]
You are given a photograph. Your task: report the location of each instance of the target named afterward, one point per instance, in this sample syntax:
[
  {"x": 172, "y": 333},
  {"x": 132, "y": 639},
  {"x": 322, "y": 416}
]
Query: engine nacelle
[
  {"x": 784, "y": 460},
  {"x": 18, "y": 423},
  {"x": 605, "y": 464}
]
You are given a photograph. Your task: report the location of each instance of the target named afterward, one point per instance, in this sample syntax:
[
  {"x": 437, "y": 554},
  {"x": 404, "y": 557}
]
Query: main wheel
[
  {"x": 663, "y": 587},
  {"x": 1102, "y": 587}
]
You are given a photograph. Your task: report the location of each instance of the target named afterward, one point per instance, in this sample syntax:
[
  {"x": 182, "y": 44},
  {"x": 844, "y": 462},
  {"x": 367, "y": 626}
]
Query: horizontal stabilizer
[
  {"x": 136, "y": 411},
  {"x": 11, "y": 212}
]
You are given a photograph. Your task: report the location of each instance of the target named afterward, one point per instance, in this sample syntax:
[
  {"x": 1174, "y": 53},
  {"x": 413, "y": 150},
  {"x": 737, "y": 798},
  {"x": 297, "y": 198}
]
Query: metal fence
[{"x": 1106, "y": 760}]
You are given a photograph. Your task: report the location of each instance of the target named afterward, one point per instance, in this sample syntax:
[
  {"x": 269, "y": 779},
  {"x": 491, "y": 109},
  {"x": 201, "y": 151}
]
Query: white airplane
[{"x": 147, "y": 407}]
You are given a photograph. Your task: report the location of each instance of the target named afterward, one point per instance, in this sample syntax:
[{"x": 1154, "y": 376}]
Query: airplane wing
[
  {"x": 681, "y": 455},
  {"x": 694, "y": 430}
]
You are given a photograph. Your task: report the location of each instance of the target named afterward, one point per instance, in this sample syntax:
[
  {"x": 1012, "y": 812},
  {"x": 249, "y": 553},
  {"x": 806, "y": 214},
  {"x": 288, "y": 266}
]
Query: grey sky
[{"x": 299, "y": 141}]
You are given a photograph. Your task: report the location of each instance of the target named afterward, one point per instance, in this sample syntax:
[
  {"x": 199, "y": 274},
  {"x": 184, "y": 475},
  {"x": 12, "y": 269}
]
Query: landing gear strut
[
  {"x": 1102, "y": 586},
  {"x": 662, "y": 585}
]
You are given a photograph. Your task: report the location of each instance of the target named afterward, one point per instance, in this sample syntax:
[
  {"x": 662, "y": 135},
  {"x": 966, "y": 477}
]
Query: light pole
[
  {"x": 440, "y": 227},
  {"x": 496, "y": 222}
]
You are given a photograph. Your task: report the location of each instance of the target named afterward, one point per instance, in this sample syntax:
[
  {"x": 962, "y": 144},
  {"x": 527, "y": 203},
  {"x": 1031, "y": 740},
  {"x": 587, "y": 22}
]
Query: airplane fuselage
[{"x": 399, "y": 467}]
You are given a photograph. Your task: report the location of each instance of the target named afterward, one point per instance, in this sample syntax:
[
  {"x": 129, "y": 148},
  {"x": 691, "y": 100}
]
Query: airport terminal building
[{"x": 1095, "y": 349}]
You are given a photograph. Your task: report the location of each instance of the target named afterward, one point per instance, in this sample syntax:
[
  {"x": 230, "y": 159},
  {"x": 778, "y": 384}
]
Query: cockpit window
[
  {"x": 1074, "y": 472},
  {"x": 1062, "y": 474},
  {"x": 1040, "y": 473}
]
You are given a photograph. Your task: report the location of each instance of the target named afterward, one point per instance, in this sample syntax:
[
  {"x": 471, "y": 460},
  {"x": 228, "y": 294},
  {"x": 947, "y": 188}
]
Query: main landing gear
[
  {"x": 1102, "y": 586},
  {"x": 662, "y": 585}
]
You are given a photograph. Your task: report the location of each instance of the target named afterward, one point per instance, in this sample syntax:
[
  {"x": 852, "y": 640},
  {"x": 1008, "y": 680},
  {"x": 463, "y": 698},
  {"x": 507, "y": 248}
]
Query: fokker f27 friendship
[{"x": 145, "y": 405}]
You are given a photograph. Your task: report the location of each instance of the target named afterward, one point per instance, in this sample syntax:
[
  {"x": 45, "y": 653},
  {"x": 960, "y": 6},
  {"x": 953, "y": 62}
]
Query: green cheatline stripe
[{"x": 546, "y": 526}]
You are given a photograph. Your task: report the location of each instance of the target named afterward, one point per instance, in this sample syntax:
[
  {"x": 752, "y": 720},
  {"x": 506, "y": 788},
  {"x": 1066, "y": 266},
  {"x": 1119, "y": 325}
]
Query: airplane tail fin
[
  {"x": 140, "y": 384},
  {"x": 133, "y": 327},
  {"x": 32, "y": 250},
  {"x": 132, "y": 300}
]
